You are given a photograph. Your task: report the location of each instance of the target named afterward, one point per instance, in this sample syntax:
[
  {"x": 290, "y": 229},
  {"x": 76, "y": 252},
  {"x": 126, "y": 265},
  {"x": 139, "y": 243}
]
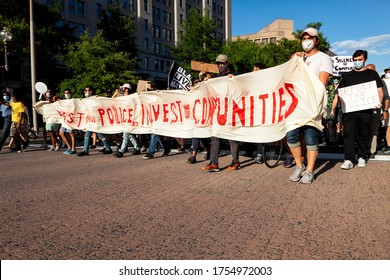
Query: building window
[
  {"x": 146, "y": 6},
  {"x": 156, "y": 63},
  {"x": 72, "y": 7},
  {"x": 272, "y": 40},
  {"x": 162, "y": 64},
  {"x": 146, "y": 62},
  {"x": 156, "y": 31},
  {"x": 264, "y": 41},
  {"x": 98, "y": 10},
  {"x": 181, "y": 4},
  {"x": 124, "y": 4},
  {"x": 168, "y": 18},
  {"x": 146, "y": 44},
  {"x": 131, "y": 5},
  {"x": 146, "y": 27},
  {"x": 257, "y": 41},
  {"x": 156, "y": 47},
  {"x": 80, "y": 29},
  {"x": 80, "y": 8},
  {"x": 181, "y": 19},
  {"x": 156, "y": 13}
]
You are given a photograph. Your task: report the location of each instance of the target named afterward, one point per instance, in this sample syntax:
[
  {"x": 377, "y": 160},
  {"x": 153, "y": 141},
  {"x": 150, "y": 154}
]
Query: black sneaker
[
  {"x": 191, "y": 160},
  {"x": 148, "y": 156},
  {"x": 166, "y": 152},
  {"x": 106, "y": 152},
  {"x": 81, "y": 154},
  {"x": 118, "y": 154},
  {"x": 135, "y": 152}
]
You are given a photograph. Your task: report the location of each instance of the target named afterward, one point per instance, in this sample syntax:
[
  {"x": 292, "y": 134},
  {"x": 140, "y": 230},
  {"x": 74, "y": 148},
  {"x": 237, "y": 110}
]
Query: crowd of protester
[{"x": 366, "y": 131}]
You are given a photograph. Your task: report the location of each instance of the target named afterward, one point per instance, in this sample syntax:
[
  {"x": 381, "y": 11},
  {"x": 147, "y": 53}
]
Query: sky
[{"x": 348, "y": 25}]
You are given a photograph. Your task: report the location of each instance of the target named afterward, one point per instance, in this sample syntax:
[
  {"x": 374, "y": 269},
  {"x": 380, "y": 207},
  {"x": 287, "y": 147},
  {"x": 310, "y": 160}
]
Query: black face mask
[{"x": 222, "y": 68}]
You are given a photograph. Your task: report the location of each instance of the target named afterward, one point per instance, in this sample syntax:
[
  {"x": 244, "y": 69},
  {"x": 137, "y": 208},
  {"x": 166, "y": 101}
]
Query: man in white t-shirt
[{"x": 322, "y": 66}]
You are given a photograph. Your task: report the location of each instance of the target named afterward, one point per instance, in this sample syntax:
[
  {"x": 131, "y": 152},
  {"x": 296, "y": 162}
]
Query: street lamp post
[{"x": 5, "y": 36}]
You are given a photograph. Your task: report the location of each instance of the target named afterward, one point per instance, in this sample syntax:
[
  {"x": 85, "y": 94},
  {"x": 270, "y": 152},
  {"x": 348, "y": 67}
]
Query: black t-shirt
[{"x": 358, "y": 77}]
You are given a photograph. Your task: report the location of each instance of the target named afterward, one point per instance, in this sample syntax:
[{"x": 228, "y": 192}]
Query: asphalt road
[{"x": 55, "y": 206}]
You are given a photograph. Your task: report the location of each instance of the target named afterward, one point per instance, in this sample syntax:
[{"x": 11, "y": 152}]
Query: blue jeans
[
  {"x": 126, "y": 137},
  {"x": 6, "y": 130},
  {"x": 310, "y": 135},
  {"x": 153, "y": 144},
  {"x": 87, "y": 136}
]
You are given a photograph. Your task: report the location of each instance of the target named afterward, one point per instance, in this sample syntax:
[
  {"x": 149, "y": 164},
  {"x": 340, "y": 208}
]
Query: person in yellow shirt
[{"x": 18, "y": 131}]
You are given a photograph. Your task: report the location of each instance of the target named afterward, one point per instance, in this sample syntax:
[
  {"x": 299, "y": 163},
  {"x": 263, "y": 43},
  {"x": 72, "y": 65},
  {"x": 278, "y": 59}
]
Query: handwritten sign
[
  {"x": 341, "y": 64},
  {"x": 359, "y": 97}
]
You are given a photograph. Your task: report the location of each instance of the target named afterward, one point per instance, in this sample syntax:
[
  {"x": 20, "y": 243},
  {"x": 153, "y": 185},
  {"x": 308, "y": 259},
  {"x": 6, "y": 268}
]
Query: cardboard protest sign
[
  {"x": 359, "y": 97},
  {"x": 204, "y": 67},
  {"x": 143, "y": 86}
]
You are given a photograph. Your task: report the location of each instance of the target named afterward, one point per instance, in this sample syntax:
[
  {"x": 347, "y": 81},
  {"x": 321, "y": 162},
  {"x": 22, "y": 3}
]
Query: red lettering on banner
[
  {"x": 70, "y": 118},
  {"x": 187, "y": 111},
  {"x": 101, "y": 114},
  {"x": 282, "y": 103},
  {"x": 81, "y": 115},
  {"x": 165, "y": 112},
  {"x": 117, "y": 117},
  {"x": 263, "y": 97},
  {"x": 156, "y": 112},
  {"x": 289, "y": 87},
  {"x": 239, "y": 111},
  {"x": 122, "y": 114},
  {"x": 110, "y": 116},
  {"x": 197, "y": 101},
  {"x": 180, "y": 113},
  {"x": 252, "y": 110},
  {"x": 173, "y": 109},
  {"x": 222, "y": 118},
  {"x": 130, "y": 115},
  {"x": 273, "y": 106}
]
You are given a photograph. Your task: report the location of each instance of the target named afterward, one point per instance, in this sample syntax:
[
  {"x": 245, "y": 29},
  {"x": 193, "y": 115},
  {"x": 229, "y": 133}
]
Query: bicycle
[{"x": 272, "y": 153}]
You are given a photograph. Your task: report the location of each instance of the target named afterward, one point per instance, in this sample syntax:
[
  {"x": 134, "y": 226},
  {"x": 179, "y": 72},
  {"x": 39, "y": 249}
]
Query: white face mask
[
  {"x": 307, "y": 45},
  {"x": 387, "y": 75},
  {"x": 67, "y": 96}
]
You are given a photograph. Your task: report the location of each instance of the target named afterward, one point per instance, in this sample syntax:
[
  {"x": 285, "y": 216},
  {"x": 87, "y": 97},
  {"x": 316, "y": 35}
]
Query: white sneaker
[
  {"x": 52, "y": 147},
  {"x": 58, "y": 147},
  {"x": 362, "y": 162},
  {"x": 347, "y": 164}
]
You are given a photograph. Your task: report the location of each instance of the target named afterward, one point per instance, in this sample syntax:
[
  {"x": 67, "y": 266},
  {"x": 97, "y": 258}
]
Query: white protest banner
[
  {"x": 253, "y": 107},
  {"x": 359, "y": 97},
  {"x": 341, "y": 64}
]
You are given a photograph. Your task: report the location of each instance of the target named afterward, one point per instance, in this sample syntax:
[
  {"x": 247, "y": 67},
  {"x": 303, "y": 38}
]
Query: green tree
[
  {"x": 198, "y": 40},
  {"x": 243, "y": 54},
  {"x": 119, "y": 29},
  {"x": 50, "y": 37},
  {"x": 94, "y": 62}
]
